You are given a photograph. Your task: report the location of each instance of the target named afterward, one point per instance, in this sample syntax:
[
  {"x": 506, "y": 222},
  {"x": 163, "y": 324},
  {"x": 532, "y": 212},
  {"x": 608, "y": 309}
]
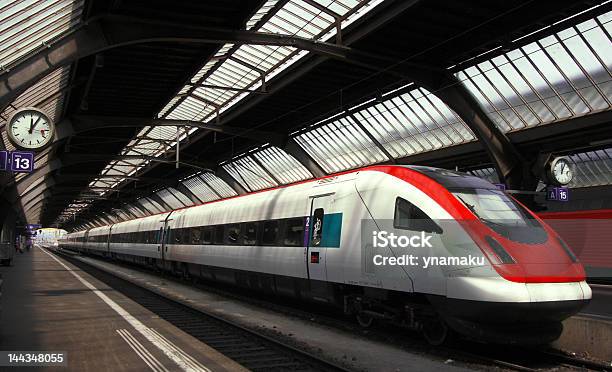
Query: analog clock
[
  {"x": 561, "y": 171},
  {"x": 30, "y": 129}
]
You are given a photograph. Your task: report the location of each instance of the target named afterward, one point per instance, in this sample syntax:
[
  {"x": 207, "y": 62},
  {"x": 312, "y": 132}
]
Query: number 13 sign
[{"x": 22, "y": 161}]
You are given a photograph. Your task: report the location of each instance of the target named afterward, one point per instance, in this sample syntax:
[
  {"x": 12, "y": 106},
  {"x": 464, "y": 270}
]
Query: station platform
[
  {"x": 583, "y": 332},
  {"x": 357, "y": 352},
  {"x": 48, "y": 305}
]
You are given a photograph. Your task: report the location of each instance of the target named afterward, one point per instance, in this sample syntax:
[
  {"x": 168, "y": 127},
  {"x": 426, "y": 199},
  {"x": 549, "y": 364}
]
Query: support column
[
  {"x": 292, "y": 148},
  {"x": 183, "y": 189},
  {"x": 231, "y": 181},
  {"x": 511, "y": 167},
  {"x": 160, "y": 201}
]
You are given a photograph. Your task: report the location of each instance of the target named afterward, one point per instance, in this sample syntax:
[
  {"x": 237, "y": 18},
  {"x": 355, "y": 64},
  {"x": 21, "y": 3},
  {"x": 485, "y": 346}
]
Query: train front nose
[{"x": 500, "y": 311}]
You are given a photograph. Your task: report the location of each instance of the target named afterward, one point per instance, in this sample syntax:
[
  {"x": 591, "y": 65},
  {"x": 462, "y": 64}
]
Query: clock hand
[
  {"x": 34, "y": 125},
  {"x": 31, "y": 125}
]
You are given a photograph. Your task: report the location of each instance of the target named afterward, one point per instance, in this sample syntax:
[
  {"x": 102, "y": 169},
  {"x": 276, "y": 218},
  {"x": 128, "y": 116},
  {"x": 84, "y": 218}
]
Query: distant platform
[{"x": 48, "y": 305}]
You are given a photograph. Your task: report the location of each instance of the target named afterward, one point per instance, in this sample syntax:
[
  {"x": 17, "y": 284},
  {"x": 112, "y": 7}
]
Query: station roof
[{"x": 336, "y": 87}]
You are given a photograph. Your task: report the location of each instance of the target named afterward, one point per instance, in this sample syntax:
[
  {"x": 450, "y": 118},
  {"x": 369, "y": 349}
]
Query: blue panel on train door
[{"x": 332, "y": 229}]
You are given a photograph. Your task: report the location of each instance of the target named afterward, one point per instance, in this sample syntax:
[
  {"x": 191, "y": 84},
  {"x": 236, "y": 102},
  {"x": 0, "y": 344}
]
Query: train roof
[{"x": 452, "y": 179}]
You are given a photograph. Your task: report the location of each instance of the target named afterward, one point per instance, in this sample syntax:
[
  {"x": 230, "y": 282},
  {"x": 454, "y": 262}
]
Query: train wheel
[
  {"x": 436, "y": 332},
  {"x": 365, "y": 320}
]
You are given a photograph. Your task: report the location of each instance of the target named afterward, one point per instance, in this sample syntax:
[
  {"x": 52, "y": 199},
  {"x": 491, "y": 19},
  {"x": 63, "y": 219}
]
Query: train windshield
[{"x": 502, "y": 214}]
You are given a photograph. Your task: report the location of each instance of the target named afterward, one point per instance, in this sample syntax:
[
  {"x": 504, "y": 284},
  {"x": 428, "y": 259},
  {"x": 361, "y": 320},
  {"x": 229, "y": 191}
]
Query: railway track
[
  {"x": 529, "y": 360},
  {"x": 509, "y": 358},
  {"x": 251, "y": 349}
]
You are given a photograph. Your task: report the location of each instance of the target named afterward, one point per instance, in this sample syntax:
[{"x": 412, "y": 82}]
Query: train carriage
[{"x": 310, "y": 240}]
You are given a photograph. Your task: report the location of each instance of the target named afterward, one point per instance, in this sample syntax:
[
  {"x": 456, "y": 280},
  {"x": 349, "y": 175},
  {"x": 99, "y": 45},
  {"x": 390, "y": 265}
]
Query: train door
[
  {"x": 316, "y": 243},
  {"x": 108, "y": 241},
  {"x": 164, "y": 238}
]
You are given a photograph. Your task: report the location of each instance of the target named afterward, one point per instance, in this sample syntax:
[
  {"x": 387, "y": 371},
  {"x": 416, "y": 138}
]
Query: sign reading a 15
[
  {"x": 557, "y": 194},
  {"x": 22, "y": 161}
]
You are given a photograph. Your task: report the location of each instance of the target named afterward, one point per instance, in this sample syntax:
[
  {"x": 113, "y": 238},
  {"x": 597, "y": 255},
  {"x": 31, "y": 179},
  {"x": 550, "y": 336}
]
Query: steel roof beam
[
  {"x": 166, "y": 207},
  {"x": 231, "y": 181},
  {"x": 112, "y": 31},
  {"x": 85, "y": 123},
  {"x": 511, "y": 167},
  {"x": 180, "y": 187},
  {"x": 141, "y": 208},
  {"x": 71, "y": 159},
  {"x": 294, "y": 149}
]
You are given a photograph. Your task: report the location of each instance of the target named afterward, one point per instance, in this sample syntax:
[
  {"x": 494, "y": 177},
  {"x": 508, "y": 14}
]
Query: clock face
[
  {"x": 562, "y": 171},
  {"x": 30, "y": 129}
]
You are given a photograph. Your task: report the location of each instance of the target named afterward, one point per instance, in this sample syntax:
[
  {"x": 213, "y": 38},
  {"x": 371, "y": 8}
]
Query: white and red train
[{"x": 305, "y": 241}]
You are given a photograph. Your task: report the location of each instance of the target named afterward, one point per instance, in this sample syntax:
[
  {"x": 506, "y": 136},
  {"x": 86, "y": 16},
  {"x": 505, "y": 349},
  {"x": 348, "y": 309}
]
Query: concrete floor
[{"x": 46, "y": 308}]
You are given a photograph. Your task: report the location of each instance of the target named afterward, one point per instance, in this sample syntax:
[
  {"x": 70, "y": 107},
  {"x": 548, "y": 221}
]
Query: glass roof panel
[
  {"x": 285, "y": 168},
  {"x": 200, "y": 189},
  {"x": 25, "y": 25},
  {"x": 241, "y": 69},
  {"x": 170, "y": 199},
  {"x": 134, "y": 210},
  {"x": 563, "y": 75},
  {"x": 216, "y": 183},
  {"x": 340, "y": 145},
  {"x": 592, "y": 168},
  {"x": 488, "y": 174},
  {"x": 150, "y": 205},
  {"x": 250, "y": 174},
  {"x": 180, "y": 196}
]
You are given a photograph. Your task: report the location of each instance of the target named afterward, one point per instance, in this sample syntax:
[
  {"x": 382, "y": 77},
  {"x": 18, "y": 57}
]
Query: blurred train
[
  {"x": 589, "y": 233},
  {"x": 305, "y": 241}
]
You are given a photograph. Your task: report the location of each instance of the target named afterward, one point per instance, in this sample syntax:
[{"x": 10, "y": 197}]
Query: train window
[
  {"x": 233, "y": 233},
  {"x": 207, "y": 235},
  {"x": 270, "y": 233},
  {"x": 219, "y": 234},
  {"x": 250, "y": 233},
  {"x": 410, "y": 217},
  {"x": 294, "y": 232},
  {"x": 177, "y": 234},
  {"x": 503, "y": 214},
  {"x": 196, "y": 235}
]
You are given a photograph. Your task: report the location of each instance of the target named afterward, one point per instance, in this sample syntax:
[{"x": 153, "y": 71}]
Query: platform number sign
[
  {"x": 22, "y": 161},
  {"x": 4, "y": 160},
  {"x": 557, "y": 194}
]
